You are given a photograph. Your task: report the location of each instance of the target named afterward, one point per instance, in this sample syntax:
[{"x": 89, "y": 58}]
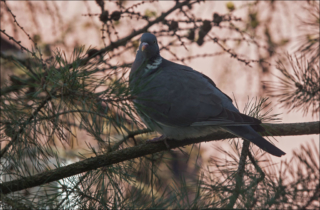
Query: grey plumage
[{"x": 181, "y": 103}]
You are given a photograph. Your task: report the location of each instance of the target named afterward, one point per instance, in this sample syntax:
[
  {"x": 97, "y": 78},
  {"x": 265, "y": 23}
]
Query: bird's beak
[{"x": 144, "y": 45}]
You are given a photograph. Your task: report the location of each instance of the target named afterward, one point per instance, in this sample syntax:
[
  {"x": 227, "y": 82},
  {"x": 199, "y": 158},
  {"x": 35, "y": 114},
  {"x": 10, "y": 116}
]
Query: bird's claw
[{"x": 159, "y": 139}]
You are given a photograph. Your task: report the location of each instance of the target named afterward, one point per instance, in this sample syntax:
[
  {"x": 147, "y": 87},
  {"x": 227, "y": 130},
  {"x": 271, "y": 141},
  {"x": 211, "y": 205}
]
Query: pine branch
[
  {"x": 22, "y": 128},
  {"x": 298, "y": 88},
  {"x": 114, "y": 157},
  {"x": 113, "y": 45}
]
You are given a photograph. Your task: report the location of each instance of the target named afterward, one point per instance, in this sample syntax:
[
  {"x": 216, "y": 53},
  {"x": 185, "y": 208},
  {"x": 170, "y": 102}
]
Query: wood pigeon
[{"x": 181, "y": 103}]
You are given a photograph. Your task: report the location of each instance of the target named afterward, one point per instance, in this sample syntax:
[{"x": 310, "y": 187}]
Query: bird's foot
[{"x": 159, "y": 139}]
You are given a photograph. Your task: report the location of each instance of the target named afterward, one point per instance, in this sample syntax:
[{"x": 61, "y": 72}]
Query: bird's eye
[{"x": 155, "y": 41}]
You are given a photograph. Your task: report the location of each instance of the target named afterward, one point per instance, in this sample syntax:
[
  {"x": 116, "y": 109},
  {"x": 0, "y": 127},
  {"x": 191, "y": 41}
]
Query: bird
[{"x": 182, "y": 103}]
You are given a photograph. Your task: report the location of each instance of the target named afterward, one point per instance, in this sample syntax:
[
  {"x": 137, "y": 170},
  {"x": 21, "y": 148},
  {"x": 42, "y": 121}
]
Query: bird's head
[{"x": 149, "y": 45}]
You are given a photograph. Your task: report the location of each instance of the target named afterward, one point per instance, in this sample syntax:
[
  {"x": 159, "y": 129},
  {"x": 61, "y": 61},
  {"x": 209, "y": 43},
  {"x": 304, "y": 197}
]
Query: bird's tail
[{"x": 248, "y": 133}]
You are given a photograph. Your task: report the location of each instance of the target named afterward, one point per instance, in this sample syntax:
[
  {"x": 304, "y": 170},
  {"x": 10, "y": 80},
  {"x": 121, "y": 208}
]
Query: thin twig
[
  {"x": 255, "y": 182},
  {"x": 113, "y": 45},
  {"x": 239, "y": 175}
]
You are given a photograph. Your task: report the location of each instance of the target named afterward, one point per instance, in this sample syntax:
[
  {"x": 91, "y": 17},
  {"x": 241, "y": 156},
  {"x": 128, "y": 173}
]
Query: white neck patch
[{"x": 154, "y": 65}]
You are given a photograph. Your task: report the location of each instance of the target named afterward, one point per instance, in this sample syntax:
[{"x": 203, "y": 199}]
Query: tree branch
[
  {"x": 113, "y": 45},
  {"x": 142, "y": 150},
  {"x": 239, "y": 175}
]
